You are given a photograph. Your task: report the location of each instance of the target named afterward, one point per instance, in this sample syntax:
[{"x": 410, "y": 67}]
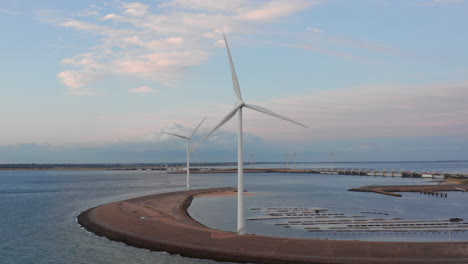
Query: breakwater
[
  {"x": 360, "y": 172},
  {"x": 394, "y": 190},
  {"x": 160, "y": 222}
]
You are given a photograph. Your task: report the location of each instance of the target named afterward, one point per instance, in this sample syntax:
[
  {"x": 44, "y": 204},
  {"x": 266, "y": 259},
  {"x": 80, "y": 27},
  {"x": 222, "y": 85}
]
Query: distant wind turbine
[
  {"x": 188, "y": 149},
  {"x": 240, "y": 159}
]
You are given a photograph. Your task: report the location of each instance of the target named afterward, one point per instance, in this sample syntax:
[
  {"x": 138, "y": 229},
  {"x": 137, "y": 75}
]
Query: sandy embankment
[
  {"x": 160, "y": 222},
  {"x": 452, "y": 181}
]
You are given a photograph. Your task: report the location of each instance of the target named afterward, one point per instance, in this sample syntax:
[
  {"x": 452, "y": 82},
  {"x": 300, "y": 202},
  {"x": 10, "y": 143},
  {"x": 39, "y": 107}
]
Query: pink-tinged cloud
[
  {"x": 72, "y": 79},
  {"x": 316, "y": 30},
  {"x": 159, "y": 43},
  {"x": 448, "y": 1},
  {"x": 155, "y": 44},
  {"x": 143, "y": 89},
  {"x": 76, "y": 82},
  {"x": 9, "y": 12},
  {"x": 209, "y": 5},
  {"x": 150, "y": 65},
  {"x": 135, "y": 9},
  {"x": 276, "y": 9},
  {"x": 436, "y": 2}
]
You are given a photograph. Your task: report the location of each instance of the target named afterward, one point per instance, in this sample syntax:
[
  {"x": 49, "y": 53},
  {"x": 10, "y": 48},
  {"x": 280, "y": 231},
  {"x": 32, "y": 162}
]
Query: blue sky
[{"x": 98, "y": 81}]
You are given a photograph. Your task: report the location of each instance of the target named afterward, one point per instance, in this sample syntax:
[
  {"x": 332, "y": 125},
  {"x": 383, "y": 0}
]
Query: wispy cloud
[
  {"x": 135, "y": 9},
  {"x": 276, "y": 9},
  {"x": 447, "y": 1},
  {"x": 143, "y": 90},
  {"x": 9, "y": 12},
  {"x": 314, "y": 29},
  {"x": 436, "y": 2},
  {"x": 158, "y": 43}
]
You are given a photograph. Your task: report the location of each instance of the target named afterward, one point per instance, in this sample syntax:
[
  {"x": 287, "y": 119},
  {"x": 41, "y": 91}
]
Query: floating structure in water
[{"x": 322, "y": 220}]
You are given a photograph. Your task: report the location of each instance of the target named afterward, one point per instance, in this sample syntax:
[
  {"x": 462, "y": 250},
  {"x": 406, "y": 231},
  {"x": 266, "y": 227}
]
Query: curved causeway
[{"x": 161, "y": 223}]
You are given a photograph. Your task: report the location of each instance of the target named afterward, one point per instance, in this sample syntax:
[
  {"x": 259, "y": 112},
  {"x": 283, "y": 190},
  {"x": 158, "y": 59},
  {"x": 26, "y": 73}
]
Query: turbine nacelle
[{"x": 241, "y": 105}]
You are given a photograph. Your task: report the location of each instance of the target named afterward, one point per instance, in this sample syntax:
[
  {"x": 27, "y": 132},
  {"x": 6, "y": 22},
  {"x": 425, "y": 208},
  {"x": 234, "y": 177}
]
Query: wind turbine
[
  {"x": 240, "y": 159},
  {"x": 188, "y": 149}
]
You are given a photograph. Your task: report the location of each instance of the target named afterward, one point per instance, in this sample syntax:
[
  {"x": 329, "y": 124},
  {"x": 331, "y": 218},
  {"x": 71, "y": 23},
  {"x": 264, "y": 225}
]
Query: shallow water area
[
  {"x": 39, "y": 208},
  {"x": 348, "y": 215}
]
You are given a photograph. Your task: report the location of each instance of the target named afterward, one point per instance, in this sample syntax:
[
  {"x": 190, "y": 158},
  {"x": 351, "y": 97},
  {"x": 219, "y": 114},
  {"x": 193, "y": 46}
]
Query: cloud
[
  {"x": 209, "y": 5},
  {"x": 447, "y": 1},
  {"x": 436, "y": 2},
  {"x": 88, "y": 13},
  {"x": 9, "y": 12},
  {"x": 135, "y": 9},
  {"x": 276, "y": 9},
  {"x": 314, "y": 29},
  {"x": 143, "y": 89},
  {"x": 72, "y": 79},
  {"x": 159, "y": 43},
  {"x": 77, "y": 80}
]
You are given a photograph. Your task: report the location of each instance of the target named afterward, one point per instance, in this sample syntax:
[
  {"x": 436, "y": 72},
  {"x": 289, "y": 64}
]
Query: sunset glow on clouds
[
  {"x": 96, "y": 76},
  {"x": 158, "y": 43},
  {"x": 143, "y": 89}
]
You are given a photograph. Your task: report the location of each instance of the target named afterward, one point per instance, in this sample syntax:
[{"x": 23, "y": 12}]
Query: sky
[{"x": 99, "y": 81}]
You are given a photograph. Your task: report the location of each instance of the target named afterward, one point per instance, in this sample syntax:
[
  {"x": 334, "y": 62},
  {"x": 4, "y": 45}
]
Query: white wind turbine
[
  {"x": 188, "y": 149},
  {"x": 240, "y": 159}
]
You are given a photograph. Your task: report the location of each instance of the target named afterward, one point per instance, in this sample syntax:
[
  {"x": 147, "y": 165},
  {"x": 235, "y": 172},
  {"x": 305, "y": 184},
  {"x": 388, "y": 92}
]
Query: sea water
[
  {"x": 38, "y": 209},
  {"x": 330, "y": 192}
]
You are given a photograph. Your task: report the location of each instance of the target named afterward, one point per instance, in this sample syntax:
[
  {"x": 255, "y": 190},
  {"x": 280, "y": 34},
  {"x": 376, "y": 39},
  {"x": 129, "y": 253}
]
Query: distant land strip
[
  {"x": 426, "y": 189},
  {"x": 160, "y": 222}
]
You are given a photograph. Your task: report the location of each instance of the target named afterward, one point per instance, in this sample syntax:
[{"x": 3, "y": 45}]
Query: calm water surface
[{"x": 39, "y": 208}]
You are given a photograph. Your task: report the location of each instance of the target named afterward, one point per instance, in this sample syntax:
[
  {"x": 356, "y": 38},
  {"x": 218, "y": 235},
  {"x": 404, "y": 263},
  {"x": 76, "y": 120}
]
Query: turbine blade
[
  {"x": 175, "y": 135},
  {"x": 195, "y": 130},
  {"x": 225, "y": 119},
  {"x": 268, "y": 112},
  {"x": 235, "y": 82}
]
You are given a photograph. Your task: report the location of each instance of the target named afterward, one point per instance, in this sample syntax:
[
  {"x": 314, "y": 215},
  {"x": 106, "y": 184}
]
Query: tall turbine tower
[
  {"x": 188, "y": 149},
  {"x": 240, "y": 159}
]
